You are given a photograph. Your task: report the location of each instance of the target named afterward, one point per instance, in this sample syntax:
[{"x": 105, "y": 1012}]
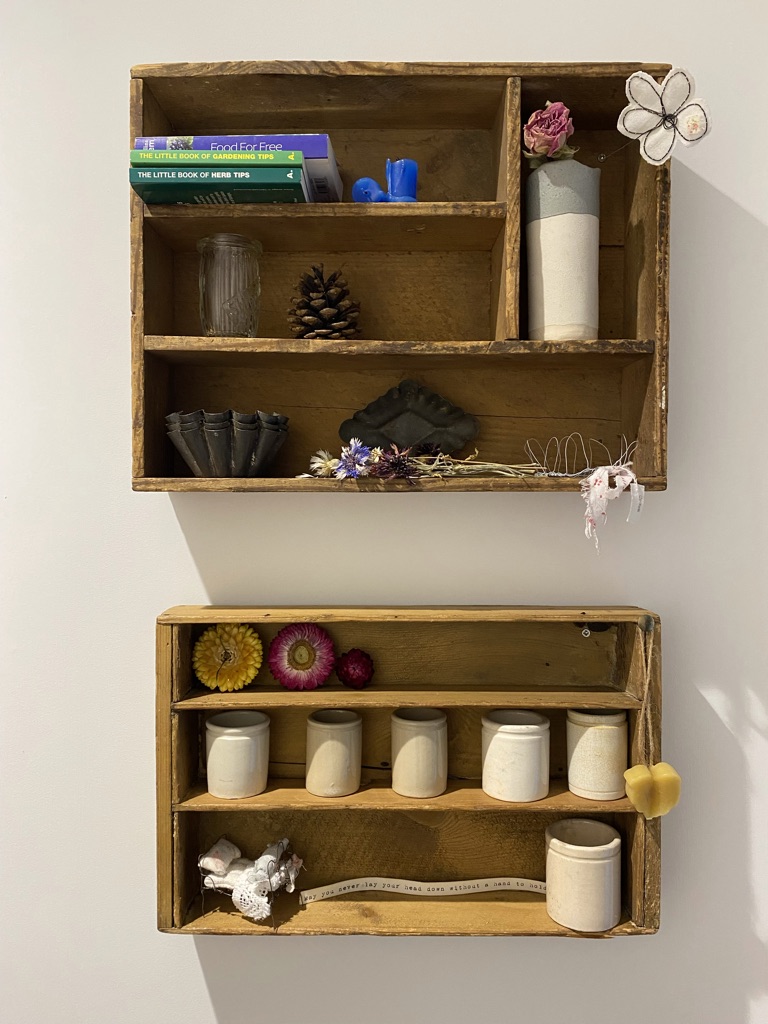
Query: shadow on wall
[{"x": 682, "y": 560}]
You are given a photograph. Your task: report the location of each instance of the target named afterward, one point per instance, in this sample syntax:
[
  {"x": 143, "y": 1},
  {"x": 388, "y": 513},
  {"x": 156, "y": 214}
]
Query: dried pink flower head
[
  {"x": 301, "y": 656},
  {"x": 355, "y": 668},
  {"x": 547, "y": 132}
]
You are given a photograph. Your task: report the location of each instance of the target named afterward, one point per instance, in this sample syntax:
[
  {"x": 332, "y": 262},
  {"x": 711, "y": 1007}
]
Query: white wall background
[{"x": 88, "y": 564}]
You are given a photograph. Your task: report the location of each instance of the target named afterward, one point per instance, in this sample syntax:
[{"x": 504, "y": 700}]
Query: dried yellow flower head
[{"x": 227, "y": 656}]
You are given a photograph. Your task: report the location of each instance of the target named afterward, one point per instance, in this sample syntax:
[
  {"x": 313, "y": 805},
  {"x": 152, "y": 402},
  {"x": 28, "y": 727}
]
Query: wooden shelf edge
[
  {"x": 291, "y": 795},
  {"x": 388, "y": 916},
  {"x": 313, "y": 484},
  {"x": 178, "y": 345},
  {"x": 183, "y": 614},
  {"x": 373, "y": 698},
  {"x": 289, "y": 67},
  {"x": 330, "y": 211}
]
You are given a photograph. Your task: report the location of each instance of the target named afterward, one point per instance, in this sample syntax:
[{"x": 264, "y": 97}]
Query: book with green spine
[
  {"x": 183, "y": 157},
  {"x": 219, "y": 185}
]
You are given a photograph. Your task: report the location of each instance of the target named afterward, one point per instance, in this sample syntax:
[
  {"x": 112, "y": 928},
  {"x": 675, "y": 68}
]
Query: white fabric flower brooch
[{"x": 660, "y": 114}]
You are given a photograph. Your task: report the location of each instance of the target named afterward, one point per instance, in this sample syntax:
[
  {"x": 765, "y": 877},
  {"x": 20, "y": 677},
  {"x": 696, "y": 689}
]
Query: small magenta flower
[
  {"x": 354, "y": 461},
  {"x": 301, "y": 656}
]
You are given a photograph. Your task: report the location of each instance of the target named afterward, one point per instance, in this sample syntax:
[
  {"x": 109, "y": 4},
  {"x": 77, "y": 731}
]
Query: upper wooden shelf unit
[
  {"x": 439, "y": 281},
  {"x": 464, "y": 660}
]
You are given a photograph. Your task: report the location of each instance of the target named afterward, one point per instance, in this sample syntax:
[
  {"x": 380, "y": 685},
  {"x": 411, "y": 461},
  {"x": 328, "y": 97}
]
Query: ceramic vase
[
  {"x": 597, "y": 753},
  {"x": 583, "y": 874},
  {"x": 334, "y": 752},
  {"x": 419, "y": 752},
  {"x": 563, "y": 242},
  {"x": 237, "y": 754},
  {"x": 516, "y": 755}
]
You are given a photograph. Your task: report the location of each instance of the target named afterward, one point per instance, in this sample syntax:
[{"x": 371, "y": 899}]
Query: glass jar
[{"x": 230, "y": 289}]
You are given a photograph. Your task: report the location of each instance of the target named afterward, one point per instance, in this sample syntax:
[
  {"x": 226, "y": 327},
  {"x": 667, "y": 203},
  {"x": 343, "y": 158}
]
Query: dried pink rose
[{"x": 548, "y": 131}]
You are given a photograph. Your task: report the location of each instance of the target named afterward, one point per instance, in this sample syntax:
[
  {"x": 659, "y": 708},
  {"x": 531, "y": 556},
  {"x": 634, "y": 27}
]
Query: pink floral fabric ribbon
[{"x": 605, "y": 484}]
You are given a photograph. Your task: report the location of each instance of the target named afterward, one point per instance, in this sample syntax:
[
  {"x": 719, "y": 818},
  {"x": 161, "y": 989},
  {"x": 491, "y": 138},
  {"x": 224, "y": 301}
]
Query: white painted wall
[{"x": 88, "y": 565}]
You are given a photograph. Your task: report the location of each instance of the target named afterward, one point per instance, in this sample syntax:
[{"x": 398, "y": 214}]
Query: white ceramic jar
[
  {"x": 584, "y": 874},
  {"x": 516, "y": 755},
  {"x": 597, "y": 753},
  {"x": 334, "y": 752},
  {"x": 419, "y": 752},
  {"x": 237, "y": 754}
]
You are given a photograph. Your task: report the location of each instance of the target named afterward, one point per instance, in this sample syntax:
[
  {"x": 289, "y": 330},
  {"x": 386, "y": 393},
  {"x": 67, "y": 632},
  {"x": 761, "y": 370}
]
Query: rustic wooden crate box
[
  {"x": 439, "y": 280},
  {"x": 463, "y": 660}
]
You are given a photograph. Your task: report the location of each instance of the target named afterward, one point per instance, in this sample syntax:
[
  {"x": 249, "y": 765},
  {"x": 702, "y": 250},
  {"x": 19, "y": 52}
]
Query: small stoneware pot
[
  {"x": 516, "y": 755},
  {"x": 334, "y": 752},
  {"x": 419, "y": 752},
  {"x": 583, "y": 874},
  {"x": 237, "y": 754},
  {"x": 597, "y": 753}
]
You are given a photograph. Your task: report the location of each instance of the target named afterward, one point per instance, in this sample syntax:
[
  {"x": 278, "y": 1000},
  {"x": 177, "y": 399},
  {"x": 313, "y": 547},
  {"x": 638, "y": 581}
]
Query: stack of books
[{"x": 225, "y": 169}]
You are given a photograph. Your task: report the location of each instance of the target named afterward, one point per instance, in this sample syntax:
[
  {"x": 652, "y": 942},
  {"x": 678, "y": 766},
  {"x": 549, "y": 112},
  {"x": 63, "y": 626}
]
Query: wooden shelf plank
[
  {"x": 189, "y": 348},
  {"x": 464, "y": 795},
  {"x": 310, "y": 484},
  {"x": 391, "y": 914},
  {"x": 192, "y": 613},
  {"x": 328, "y": 696},
  {"x": 223, "y": 69},
  {"x": 323, "y": 227}
]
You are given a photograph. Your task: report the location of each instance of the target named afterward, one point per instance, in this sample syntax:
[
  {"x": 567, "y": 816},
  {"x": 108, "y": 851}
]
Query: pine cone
[{"x": 323, "y": 308}]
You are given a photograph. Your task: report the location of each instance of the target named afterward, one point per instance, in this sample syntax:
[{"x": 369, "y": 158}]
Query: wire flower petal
[
  {"x": 677, "y": 88},
  {"x": 642, "y": 90},
  {"x": 636, "y": 121},
  {"x": 693, "y": 122},
  {"x": 657, "y": 145}
]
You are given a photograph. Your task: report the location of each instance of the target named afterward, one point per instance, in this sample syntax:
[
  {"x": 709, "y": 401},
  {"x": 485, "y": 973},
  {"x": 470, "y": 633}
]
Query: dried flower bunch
[
  {"x": 227, "y": 656},
  {"x": 546, "y": 134},
  {"x": 358, "y": 460}
]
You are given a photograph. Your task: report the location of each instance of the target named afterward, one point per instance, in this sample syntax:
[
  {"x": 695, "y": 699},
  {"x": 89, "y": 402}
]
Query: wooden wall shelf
[
  {"x": 464, "y": 660},
  {"x": 439, "y": 280}
]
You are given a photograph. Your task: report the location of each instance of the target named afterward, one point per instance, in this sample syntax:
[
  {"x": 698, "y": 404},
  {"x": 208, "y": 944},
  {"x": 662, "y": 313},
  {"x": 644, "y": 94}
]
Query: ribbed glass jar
[{"x": 230, "y": 287}]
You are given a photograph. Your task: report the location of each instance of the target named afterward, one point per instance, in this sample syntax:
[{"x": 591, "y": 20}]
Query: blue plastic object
[{"x": 402, "y": 177}]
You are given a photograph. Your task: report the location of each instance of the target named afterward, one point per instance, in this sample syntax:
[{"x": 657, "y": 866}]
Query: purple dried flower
[
  {"x": 354, "y": 461},
  {"x": 395, "y": 464}
]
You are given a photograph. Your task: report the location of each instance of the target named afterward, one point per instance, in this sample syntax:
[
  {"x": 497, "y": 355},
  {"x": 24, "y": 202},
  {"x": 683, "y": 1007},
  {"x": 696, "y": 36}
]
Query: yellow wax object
[{"x": 653, "y": 791}]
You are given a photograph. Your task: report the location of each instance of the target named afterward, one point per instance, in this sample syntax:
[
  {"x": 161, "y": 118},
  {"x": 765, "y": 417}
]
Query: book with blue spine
[
  {"x": 319, "y": 160},
  {"x": 219, "y": 185}
]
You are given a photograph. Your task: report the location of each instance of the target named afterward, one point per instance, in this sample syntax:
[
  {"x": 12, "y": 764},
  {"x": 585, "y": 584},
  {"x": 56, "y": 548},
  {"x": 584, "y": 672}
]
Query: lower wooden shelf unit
[{"x": 464, "y": 660}]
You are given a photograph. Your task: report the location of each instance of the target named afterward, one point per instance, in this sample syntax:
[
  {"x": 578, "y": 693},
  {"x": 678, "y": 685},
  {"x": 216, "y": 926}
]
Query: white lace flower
[
  {"x": 659, "y": 115},
  {"x": 323, "y": 463}
]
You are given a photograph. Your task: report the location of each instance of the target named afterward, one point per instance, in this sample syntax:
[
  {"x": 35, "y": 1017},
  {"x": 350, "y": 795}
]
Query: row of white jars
[
  {"x": 515, "y": 753},
  {"x": 237, "y": 753}
]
